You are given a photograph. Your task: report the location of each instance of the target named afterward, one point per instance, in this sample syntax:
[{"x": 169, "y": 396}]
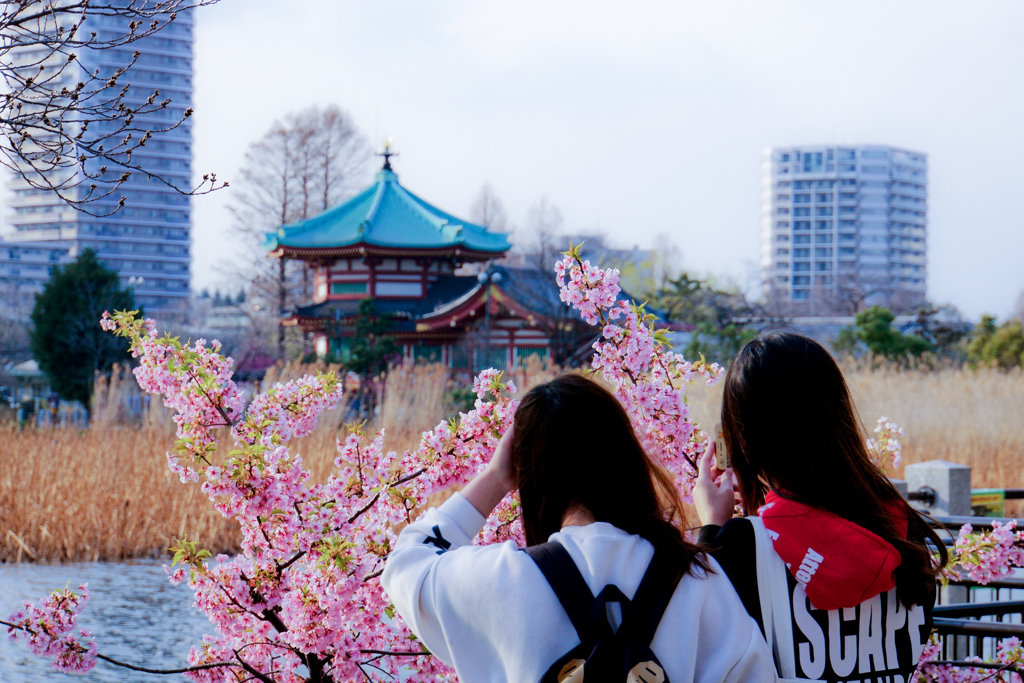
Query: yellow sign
[{"x": 988, "y": 502}]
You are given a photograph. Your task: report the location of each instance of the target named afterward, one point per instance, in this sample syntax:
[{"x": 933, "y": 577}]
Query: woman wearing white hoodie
[{"x": 587, "y": 487}]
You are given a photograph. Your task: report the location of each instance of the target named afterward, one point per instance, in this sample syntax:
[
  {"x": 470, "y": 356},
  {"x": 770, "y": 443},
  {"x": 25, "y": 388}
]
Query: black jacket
[{"x": 878, "y": 640}]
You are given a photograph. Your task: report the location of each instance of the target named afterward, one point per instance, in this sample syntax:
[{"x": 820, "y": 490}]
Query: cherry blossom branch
[
  {"x": 125, "y": 665},
  {"x": 294, "y": 558},
  {"x": 300, "y": 602},
  {"x": 374, "y": 574},
  {"x": 986, "y": 555},
  {"x": 300, "y": 599},
  {"x": 250, "y": 670},
  {"x": 398, "y": 482},
  {"x": 228, "y": 422},
  {"x": 165, "y": 672},
  {"x": 649, "y": 378},
  {"x": 997, "y": 666},
  {"x": 1009, "y": 654}
]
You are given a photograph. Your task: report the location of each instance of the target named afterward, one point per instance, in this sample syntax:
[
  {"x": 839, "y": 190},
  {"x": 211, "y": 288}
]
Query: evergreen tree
[
  {"x": 67, "y": 341},
  {"x": 873, "y": 328},
  {"x": 1000, "y": 346},
  {"x": 372, "y": 345}
]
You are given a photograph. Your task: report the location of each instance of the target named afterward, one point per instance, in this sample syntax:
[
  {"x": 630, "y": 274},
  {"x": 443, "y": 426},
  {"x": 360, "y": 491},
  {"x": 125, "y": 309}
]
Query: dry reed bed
[
  {"x": 973, "y": 417},
  {"x": 103, "y": 494},
  {"x": 106, "y": 493}
]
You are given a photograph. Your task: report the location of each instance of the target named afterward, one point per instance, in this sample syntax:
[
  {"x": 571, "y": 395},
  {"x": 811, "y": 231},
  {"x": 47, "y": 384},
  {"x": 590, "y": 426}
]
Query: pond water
[{"x": 134, "y": 613}]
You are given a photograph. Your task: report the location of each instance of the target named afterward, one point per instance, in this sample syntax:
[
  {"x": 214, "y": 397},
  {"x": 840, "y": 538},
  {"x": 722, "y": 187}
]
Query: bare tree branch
[
  {"x": 74, "y": 132},
  {"x": 544, "y": 220},
  {"x": 489, "y": 210}
]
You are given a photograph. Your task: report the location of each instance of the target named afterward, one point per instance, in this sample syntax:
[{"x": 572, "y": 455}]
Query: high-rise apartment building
[
  {"x": 149, "y": 239},
  {"x": 843, "y": 226},
  {"x": 24, "y": 270}
]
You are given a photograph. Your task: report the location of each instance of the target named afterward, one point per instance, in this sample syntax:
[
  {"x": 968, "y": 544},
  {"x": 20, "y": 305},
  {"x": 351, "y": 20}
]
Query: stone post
[{"x": 950, "y": 481}]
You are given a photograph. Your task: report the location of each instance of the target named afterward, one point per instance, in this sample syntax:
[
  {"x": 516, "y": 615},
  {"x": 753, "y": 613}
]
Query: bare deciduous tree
[
  {"x": 775, "y": 304},
  {"x": 1018, "y": 308},
  {"x": 853, "y": 290},
  {"x": 14, "y": 341},
  {"x": 329, "y": 157},
  {"x": 544, "y": 222},
  {"x": 489, "y": 210},
  {"x": 301, "y": 167},
  {"x": 71, "y": 131},
  {"x": 643, "y": 273},
  {"x": 856, "y": 290}
]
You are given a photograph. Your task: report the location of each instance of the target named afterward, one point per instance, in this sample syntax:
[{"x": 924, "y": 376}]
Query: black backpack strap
[
  {"x": 652, "y": 597},
  {"x": 565, "y": 579}
]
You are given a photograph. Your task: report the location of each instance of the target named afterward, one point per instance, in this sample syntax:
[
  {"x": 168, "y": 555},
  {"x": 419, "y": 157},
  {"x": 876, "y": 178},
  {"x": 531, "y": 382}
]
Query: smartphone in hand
[{"x": 722, "y": 462}]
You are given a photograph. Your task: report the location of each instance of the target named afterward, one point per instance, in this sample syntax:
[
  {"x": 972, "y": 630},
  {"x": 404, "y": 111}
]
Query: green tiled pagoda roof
[{"x": 385, "y": 217}]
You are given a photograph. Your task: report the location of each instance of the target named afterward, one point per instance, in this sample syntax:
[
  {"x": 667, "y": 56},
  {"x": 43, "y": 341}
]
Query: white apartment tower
[
  {"x": 148, "y": 241},
  {"x": 843, "y": 226}
]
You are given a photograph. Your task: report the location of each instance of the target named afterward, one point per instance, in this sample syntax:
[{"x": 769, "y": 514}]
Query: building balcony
[
  {"x": 911, "y": 228},
  {"x": 907, "y": 199},
  {"x": 913, "y": 191},
  {"x": 25, "y": 233},
  {"x": 915, "y": 176}
]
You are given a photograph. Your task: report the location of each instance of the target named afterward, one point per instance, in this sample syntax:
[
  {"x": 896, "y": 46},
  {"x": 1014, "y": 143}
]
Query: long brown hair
[
  {"x": 791, "y": 426},
  {"x": 574, "y": 447}
]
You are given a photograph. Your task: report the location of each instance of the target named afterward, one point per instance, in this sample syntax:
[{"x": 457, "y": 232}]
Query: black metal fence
[{"x": 971, "y": 618}]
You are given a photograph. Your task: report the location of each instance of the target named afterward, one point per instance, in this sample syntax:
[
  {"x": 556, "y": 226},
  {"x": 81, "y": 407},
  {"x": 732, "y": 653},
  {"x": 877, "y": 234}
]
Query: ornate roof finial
[{"x": 387, "y": 154}]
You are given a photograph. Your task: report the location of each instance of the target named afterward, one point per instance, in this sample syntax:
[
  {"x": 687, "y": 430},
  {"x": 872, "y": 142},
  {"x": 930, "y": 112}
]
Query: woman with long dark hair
[
  {"x": 836, "y": 557},
  {"x": 609, "y": 587}
]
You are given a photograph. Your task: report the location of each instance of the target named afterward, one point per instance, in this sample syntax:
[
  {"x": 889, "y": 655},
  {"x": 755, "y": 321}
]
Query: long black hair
[
  {"x": 574, "y": 448},
  {"x": 791, "y": 427}
]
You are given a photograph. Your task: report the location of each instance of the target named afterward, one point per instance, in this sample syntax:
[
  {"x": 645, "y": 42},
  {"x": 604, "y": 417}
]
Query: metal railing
[
  {"x": 972, "y": 618},
  {"x": 927, "y": 495},
  {"x": 953, "y": 523},
  {"x": 964, "y": 618},
  {"x": 970, "y": 628}
]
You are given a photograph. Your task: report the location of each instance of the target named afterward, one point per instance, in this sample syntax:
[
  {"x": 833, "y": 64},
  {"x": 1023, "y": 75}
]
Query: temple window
[
  {"x": 399, "y": 288},
  {"x": 427, "y": 354},
  {"x": 349, "y": 288}
]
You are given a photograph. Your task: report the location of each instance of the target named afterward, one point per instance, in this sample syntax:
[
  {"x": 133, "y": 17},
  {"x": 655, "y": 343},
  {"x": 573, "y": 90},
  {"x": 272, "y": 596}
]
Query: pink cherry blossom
[
  {"x": 649, "y": 379},
  {"x": 886, "y": 447},
  {"x": 1009, "y": 653},
  {"x": 48, "y": 628},
  {"x": 988, "y": 555},
  {"x": 302, "y": 602}
]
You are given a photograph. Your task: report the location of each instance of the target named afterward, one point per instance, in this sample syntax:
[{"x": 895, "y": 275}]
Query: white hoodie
[{"x": 489, "y": 612}]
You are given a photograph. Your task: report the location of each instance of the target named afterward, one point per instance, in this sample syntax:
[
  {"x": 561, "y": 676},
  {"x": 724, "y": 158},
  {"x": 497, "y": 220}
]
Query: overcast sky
[{"x": 640, "y": 118}]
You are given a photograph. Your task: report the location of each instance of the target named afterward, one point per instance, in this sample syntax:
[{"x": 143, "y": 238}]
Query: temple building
[{"x": 402, "y": 253}]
